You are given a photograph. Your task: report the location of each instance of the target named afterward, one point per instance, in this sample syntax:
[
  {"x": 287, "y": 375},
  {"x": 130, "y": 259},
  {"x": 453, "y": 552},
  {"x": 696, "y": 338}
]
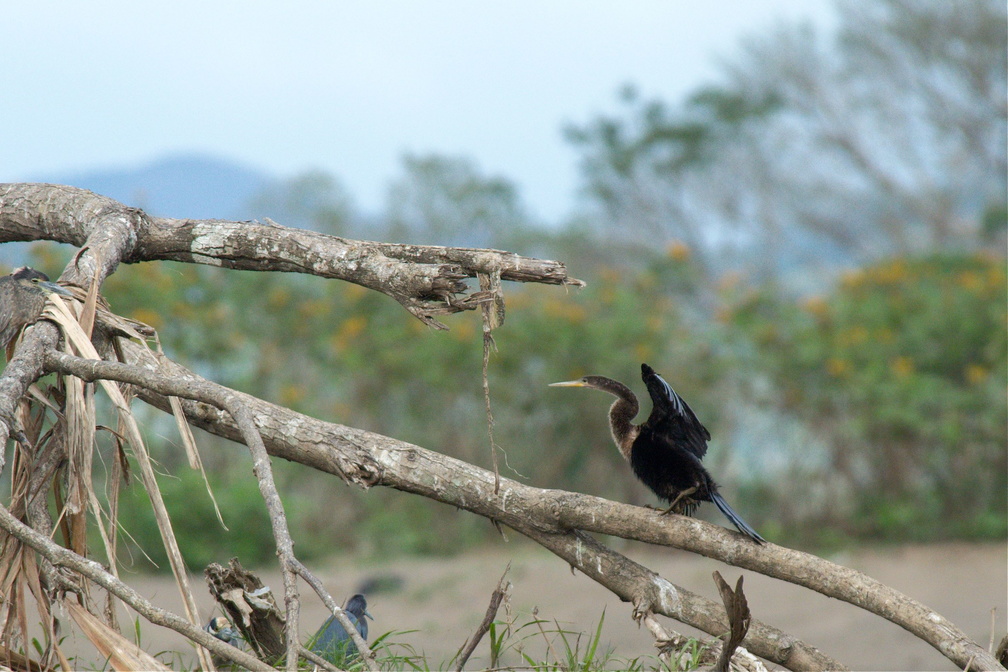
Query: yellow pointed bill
[{"x": 569, "y": 383}]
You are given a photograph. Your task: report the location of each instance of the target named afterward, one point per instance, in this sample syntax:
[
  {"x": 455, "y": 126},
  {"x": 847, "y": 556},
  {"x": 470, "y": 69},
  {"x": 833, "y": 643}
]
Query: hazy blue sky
[{"x": 348, "y": 87}]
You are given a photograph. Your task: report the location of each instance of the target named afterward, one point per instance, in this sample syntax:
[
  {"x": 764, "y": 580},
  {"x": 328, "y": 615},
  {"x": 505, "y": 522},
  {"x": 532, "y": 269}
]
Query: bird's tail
[{"x": 736, "y": 519}]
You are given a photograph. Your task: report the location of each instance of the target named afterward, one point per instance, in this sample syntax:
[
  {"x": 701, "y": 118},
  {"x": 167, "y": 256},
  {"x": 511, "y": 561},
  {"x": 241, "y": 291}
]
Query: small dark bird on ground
[
  {"x": 666, "y": 451},
  {"x": 23, "y": 295},
  {"x": 220, "y": 627},
  {"x": 332, "y": 641}
]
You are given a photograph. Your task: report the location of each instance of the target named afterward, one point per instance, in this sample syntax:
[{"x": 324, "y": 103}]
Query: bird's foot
[{"x": 682, "y": 502}]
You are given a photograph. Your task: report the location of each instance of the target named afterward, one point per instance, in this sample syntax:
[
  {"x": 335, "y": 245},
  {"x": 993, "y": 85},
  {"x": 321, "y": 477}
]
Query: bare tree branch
[
  {"x": 426, "y": 280},
  {"x": 367, "y": 459}
]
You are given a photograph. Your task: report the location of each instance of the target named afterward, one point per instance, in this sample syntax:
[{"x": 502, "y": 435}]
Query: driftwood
[
  {"x": 427, "y": 281},
  {"x": 250, "y": 607}
]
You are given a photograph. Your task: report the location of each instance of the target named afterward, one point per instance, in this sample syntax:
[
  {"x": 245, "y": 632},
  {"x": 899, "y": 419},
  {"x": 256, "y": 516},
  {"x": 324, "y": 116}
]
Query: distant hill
[{"x": 186, "y": 186}]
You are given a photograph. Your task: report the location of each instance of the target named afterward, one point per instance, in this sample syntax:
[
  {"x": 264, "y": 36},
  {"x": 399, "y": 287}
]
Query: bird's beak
[
  {"x": 368, "y": 614},
  {"x": 569, "y": 383},
  {"x": 55, "y": 289}
]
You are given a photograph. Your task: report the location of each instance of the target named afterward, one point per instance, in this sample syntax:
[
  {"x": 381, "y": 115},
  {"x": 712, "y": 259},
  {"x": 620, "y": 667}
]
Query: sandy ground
[{"x": 442, "y": 600}]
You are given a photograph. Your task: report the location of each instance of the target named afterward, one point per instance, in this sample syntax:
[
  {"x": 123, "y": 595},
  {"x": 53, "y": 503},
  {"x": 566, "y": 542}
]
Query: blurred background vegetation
[{"x": 810, "y": 249}]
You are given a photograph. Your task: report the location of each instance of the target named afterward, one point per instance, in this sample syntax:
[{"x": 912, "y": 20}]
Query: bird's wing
[{"x": 672, "y": 417}]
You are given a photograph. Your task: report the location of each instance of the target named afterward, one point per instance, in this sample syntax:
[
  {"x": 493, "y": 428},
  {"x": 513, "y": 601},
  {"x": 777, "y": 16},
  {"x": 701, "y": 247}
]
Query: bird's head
[
  {"x": 357, "y": 606},
  {"x": 37, "y": 281},
  {"x": 593, "y": 382}
]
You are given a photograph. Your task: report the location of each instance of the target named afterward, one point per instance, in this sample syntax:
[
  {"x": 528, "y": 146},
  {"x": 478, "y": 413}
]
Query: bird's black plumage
[
  {"x": 665, "y": 452},
  {"x": 332, "y": 641}
]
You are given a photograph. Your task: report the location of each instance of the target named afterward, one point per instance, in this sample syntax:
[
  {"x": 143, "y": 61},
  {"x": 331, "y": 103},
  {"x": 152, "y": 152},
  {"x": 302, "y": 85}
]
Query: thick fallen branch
[
  {"x": 426, "y": 280},
  {"x": 521, "y": 507},
  {"x": 366, "y": 458}
]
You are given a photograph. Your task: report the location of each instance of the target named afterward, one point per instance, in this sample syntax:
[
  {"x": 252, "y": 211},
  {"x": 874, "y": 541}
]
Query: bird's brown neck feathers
[{"x": 621, "y": 413}]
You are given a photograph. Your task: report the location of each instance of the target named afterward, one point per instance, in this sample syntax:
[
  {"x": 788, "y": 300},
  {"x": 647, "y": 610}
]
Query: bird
[
  {"x": 220, "y": 627},
  {"x": 332, "y": 641},
  {"x": 23, "y": 295},
  {"x": 666, "y": 451}
]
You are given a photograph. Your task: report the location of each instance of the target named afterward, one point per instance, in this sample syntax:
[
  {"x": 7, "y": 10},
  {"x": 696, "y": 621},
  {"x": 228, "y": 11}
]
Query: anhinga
[{"x": 666, "y": 451}]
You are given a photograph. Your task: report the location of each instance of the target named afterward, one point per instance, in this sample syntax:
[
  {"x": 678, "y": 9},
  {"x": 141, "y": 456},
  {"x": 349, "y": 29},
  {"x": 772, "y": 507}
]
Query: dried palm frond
[
  {"x": 46, "y": 443},
  {"x": 58, "y": 312},
  {"x": 121, "y": 653}
]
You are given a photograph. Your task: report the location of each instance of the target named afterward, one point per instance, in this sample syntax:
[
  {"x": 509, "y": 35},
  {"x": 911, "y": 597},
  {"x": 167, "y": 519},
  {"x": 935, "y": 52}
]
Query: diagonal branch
[
  {"x": 525, "y": 509},
  {"x": 367, "y": 459}
]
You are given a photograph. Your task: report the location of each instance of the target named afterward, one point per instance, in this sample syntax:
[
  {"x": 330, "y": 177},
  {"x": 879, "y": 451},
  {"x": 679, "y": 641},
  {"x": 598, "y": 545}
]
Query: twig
[
  {"x": 491, "y": 613},
  {"x": 278, "y": 520},
  {"x": 313, "y": 657},
  {"x": 993, "y": 621}
]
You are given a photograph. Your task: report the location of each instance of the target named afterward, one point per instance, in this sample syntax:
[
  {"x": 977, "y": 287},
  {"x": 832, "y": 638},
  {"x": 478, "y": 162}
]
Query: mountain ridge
[{"x": 185, "y": 186}]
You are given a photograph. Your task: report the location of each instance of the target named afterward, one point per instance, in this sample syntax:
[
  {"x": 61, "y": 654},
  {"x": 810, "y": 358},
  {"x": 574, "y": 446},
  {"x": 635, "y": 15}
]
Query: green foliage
[
  {"x": 202, "y": 538},
  {"x": 539, "y": 644},
  {"x": 906, "y": 366}
]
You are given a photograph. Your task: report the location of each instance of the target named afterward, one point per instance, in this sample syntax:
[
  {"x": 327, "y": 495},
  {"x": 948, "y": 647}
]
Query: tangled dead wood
[{"x": 427, "y": 281}]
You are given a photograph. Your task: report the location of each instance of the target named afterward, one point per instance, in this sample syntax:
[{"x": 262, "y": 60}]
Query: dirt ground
[{"x": 442, "y": 600}]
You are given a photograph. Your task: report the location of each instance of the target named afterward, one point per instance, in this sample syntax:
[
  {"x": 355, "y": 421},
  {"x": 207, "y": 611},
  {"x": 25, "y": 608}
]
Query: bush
[{"x": 905, "y": 366}]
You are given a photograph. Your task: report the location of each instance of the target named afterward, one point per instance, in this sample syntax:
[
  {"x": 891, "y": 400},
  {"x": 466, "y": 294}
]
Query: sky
[{"x": 350, "y": 87}]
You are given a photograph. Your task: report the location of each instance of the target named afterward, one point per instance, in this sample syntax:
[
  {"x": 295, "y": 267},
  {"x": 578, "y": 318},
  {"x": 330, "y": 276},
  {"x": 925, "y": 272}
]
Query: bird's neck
[{"x": 624, "y": 431}]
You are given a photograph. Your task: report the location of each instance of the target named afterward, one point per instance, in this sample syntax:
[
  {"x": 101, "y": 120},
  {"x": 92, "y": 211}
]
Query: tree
[
  {"x": 312, "y": 200},
  {"x": 901, "y": 370},
  {"x": 427, "y": 281},
  {"x": 889, "y": 139},
  {"x": 448, "y": 199}
]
